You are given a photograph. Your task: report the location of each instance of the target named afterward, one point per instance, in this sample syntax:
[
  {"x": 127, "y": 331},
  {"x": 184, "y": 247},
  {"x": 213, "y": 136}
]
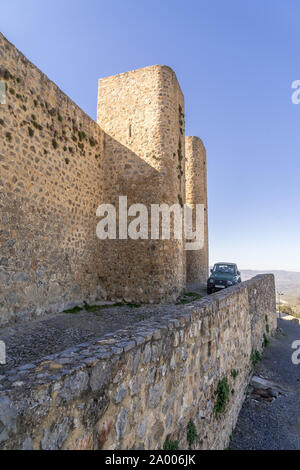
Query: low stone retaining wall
[{"x": 143, "y": 386}]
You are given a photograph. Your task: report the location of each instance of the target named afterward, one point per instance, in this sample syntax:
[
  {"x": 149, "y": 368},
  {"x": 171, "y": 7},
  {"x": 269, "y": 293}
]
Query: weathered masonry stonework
[
  {"x": 141, "y": 386},
  {"x": 196, "y": 193},
  {"x": 142, "y": 115},
  {"x": 50, "y": 186},
  {"x": 58, "y": 165}
]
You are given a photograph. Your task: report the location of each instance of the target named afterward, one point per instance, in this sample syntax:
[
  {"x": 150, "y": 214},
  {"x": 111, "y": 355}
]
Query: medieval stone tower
[
  {"x": 58, "y": 165},
  {"x": 196, "y": 193},
  {"x": 142, "y": 115}
]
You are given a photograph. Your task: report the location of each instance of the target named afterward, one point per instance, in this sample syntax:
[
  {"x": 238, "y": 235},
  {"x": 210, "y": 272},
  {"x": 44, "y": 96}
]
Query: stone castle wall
[
  {"x": 51, "y": 171},
  {"x": 197, "y": 262},
  {"x": 142, "y": 114},
  {"x": 139, "y": 387},
  {"x": 58, "y": 166}
]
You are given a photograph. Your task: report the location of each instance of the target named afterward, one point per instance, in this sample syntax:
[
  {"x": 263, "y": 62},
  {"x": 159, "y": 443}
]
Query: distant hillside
[{"x": 287, "y": 282}]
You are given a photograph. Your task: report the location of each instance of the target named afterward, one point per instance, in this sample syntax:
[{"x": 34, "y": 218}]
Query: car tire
[{"x": 209, "y": 291}]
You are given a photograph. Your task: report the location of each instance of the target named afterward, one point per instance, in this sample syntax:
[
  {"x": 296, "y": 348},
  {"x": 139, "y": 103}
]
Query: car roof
[{"x": 230, "y": 264}]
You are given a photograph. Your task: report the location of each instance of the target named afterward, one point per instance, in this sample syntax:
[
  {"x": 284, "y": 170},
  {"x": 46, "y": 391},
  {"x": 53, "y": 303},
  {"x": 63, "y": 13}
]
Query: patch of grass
[
  {"x": 234, "y": 373},
  {"x": 1, "y": 122},
  {"x": 59, "y": 117},
  {"x": 183, "y": 301},
  {"x": 222, "y": 396},
  {"x": 191, "y": 433},
  {"x": 35, "y": 102},
  {"x": 190, "y": 294},
  {"x": 189, "y": 297},
  {"x": 73, "y": 310},
  {"x": 91, "y": 308},
  {"x": 96, "y": 308},
  {"x": 267, "y": 324},
  {"x": 8, "y": 136},
  {"x": 30, "y": 132},
  {"x": 255, "y": 357},
  {"x": 170, "y": 445},
  {"x": 92, "y": 142},
  {"x": 266, "y": 341},
  {"x": 103, "y": 307}
]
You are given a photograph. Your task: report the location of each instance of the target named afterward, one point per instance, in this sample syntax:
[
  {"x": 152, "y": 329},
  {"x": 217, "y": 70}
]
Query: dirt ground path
[{"x": 273, "y": 423}]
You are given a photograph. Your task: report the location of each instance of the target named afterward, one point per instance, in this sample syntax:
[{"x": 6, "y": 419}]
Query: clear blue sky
[{"x": 235, "y": 61}]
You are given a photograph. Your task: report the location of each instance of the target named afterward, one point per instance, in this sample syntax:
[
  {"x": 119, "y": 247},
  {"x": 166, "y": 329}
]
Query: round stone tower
[
  {"x": 196, "y": 193},
  {"x": 142, "y": 115}
]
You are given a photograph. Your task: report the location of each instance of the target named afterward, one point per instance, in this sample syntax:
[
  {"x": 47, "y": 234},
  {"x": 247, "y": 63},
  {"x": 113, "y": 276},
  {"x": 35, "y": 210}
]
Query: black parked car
[{"x": 223, "y": 275}]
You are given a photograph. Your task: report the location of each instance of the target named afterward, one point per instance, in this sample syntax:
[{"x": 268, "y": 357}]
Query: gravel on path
[{"x": 274, "y": 424}]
